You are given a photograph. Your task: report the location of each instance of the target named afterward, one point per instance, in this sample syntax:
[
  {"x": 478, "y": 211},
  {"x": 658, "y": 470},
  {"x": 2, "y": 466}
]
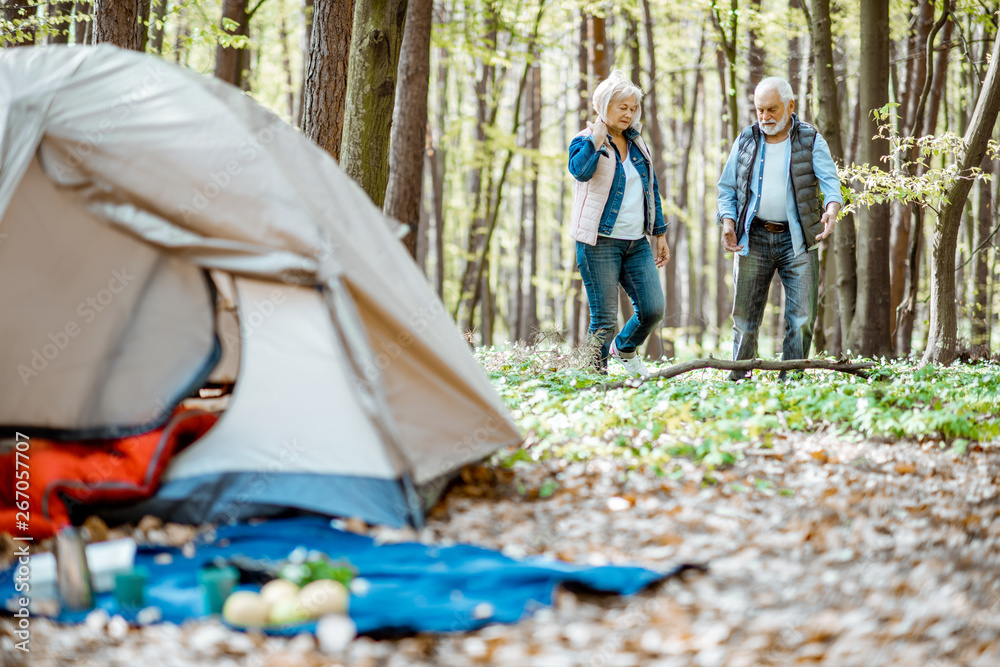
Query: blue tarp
[{"x": 413, "y": 587}]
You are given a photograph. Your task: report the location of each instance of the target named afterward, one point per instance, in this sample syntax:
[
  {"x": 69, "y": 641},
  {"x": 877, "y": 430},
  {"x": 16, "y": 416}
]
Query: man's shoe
[{"x": 634, "y": 366}]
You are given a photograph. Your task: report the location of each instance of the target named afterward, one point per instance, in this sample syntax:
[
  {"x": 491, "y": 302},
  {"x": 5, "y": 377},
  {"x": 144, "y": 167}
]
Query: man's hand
[
  {"x": 729, "y": 240},
  {"x": 829, "y": 218},
  {"x": 662, "y": 253}
]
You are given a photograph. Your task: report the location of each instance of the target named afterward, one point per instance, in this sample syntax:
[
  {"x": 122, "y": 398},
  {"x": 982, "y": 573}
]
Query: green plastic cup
[
  {"x": 130, "y": 587},
  {"x": 216, "y": 584}
]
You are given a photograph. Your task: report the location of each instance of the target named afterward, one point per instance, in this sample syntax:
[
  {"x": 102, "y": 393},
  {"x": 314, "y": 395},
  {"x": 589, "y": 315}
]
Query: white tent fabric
[{"x": 123, "y": 180}]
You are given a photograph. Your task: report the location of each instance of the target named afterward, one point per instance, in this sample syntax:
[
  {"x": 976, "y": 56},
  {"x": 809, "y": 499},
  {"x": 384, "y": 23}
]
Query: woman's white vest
[{"x": 590, "y": 197}]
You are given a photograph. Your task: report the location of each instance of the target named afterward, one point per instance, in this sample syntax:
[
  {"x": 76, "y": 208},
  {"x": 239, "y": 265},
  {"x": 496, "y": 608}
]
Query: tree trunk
[
  {"x": 980, "y": 335},
  {"x": 652, "y": 115},
  {"x": 324, "y": 96},
  {"x": 901, "y": 221},
  {"x": 437, "y": 169},
  {"x": 286, "y": 65},
  {"x": 869, "y": 335},
  {"x": 409, "y": 123},
  {"x": 723, "y": 299},
  {"x": 182, "y": 36},
  {"x": 120, "y": 22},
  {"x": 82, "y": 29},
  {"x": 929, "y": 99},
  {"x": 376, "y": 39},
  {"x": 755, "y": 56},
  {"x": 305, "y": 42},
  {"x": 828, "y": 124},
  {"x": 728, "y": 46},
  {"x": 60, "y": 15},
  {"x": 479, "y": 240},
  {"x": 229, "y": 59},
  {"x": 477, "y": 229},
  {"x": 534, "y": 131},
  {"x": 942, "y": 341},
  {"x": 157, "y": 25},
  {"x": 577, "y": 310},
  {"x": 598, "y": 49}
]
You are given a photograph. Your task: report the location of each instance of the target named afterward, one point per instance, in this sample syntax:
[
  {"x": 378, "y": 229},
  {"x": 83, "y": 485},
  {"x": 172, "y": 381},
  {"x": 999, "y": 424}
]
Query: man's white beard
[{"x": 777, "y": 128}]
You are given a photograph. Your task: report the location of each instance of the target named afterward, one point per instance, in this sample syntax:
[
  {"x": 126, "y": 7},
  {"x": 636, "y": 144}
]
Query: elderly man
[{"x": 778, "y": 197}]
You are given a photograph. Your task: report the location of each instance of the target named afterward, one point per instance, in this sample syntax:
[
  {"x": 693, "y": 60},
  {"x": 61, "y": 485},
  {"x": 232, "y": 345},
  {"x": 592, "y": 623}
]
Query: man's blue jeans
[
  {"x": 752, "y": 275},
  {"x": 602, "y": 267}
]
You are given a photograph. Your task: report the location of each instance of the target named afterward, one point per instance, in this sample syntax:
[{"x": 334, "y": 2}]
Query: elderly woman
[{"x": 616, "y": 203}]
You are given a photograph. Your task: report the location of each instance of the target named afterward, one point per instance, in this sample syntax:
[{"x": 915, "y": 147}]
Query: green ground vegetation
[{"x": 709, "y": 420}]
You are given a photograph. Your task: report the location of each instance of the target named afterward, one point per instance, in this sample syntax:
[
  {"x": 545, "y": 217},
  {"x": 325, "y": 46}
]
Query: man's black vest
[{"x": 805, "y": 185}]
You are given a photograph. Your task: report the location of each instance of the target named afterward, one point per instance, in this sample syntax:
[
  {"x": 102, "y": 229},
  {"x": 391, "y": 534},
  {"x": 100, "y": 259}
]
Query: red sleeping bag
[{"x": 88, "y": 471}]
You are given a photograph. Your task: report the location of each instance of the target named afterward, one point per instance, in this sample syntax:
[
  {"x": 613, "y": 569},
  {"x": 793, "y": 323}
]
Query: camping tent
[{"x": 153, "y": 220}]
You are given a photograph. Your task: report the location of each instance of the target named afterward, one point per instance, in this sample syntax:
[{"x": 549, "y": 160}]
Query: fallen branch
[{"x": 858, "y": 369}]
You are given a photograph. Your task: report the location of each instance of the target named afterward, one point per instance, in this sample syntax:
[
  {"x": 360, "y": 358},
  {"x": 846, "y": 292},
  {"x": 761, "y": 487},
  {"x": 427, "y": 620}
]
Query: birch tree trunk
[{"x": 324, "y": 93}]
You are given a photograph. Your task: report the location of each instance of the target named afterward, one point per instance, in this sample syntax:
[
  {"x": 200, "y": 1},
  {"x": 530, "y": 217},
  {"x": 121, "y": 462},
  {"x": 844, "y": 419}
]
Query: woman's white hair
[
  {"x": 783, "y": 88},
  {"x": 613, "y": 89}
]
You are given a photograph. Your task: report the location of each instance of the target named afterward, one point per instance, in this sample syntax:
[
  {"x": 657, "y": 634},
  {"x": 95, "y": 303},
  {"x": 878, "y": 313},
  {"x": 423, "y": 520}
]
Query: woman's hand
[
  {"x": 662, "y": 254},
  {"x": 600, "y": 130}
]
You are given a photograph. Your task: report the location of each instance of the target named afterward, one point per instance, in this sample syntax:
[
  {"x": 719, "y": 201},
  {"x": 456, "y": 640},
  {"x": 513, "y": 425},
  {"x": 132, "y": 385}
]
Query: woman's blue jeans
[
  {"x": 752, "y": 277},
  {"x": 603, "y": 267}
]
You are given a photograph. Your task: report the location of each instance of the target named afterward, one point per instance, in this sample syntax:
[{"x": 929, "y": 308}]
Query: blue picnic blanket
[{"x": 412, "y": 587}]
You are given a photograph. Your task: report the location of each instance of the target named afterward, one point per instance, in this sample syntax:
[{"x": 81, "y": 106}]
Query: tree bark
[
  {"x": 942, "y": 340},
  {"x": 980, "y": 334},
  {"x": 324, "y": 95},
  {"x": 652, "y": 115},
  {"x": 157, "y": 27},
  {"x": 829, "y": 125},
  {"x": 305, "y": 42},
  {"x": 120, "y": 22},
  {"x": 409, "y": 122},
  {"x": 438, "y": 169},
  {"x": 534, "y": 131},
  {"x": 286, "y": 65},
  {"x": 229, "y": 59},
  {"x": 376, "y": 39},
  {"x": 577, "y": 314},
  {"x": 870, "y": 330}
]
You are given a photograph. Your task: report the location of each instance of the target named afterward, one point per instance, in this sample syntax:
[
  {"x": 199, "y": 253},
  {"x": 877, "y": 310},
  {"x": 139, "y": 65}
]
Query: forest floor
[{"x": 824, "y": 544}]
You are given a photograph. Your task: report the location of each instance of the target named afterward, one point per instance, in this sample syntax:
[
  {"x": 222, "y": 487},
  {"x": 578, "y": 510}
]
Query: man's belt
[{"x": 773, "y": 227}]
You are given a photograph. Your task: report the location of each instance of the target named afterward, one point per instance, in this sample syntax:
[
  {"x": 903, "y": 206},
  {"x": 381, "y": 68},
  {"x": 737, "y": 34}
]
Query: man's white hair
[
  {"x": 778, "y": 84},
  {"x": 613, "y": 89}
]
